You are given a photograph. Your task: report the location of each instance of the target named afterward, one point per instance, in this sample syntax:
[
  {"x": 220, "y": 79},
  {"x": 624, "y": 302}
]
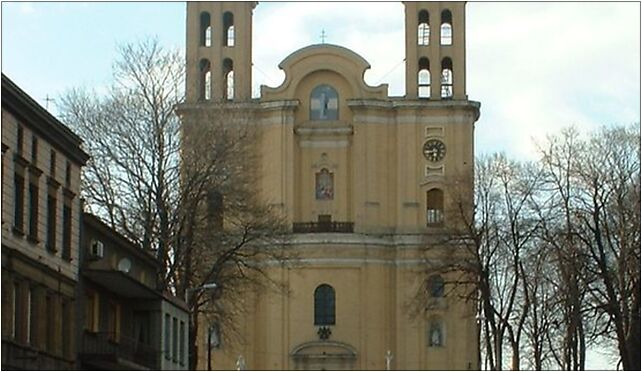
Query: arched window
[
  {"x": 446, "y": 28},
  {"x": 324, "y": 304},
  {"x": 446, "y": 78},
  {"x": 436, "y": 333},
  {"x": 206, "y": 30},
  {"x": 228, "y": 26},
  {"x": 436, "y": 286},
  {"x": 434, "y": 207},
  {"x": 423, "y": 29},
  {"x": 423, "y": 78},
  {"x": 324, "y": 103},
  {"x": 228, "y": 77},
  {"x": 206, "y": 80}
]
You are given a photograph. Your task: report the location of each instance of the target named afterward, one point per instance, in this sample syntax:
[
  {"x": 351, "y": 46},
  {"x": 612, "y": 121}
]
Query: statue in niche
[
  {"x": 324, "y": 185},
  {"x": 435, "y": 334}
]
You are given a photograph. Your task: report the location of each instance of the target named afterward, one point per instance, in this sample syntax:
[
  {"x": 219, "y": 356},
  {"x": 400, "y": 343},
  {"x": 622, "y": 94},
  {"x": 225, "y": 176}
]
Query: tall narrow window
[
  {"x": 228, "y": 75},
  {"x": 18, "y": 199},
  {"x": 66, "y": 231},
  {"x": 34, "y": 150},
  {"x": 215, "y": 210},
  {"x": 423, "y": 78},
  {"x": 15, "y": 291},
  {"x": 446, "y": 28},
  {"x": 228, "y": 26},
  {"x": 19, "y": 140},
  {"x": 31, "y": 317},
  {"x": 50, "y": 318},
  {"x": 33, "y": 211},
  {"x": 65, "y": 314},
  {"x": 206, "y": 80},
  {"x": 68, "y": 174},
  {"x": 446, "y": 78},
  {"x": 324, "y": 305},
  {"x": 167, "y": 334},
  {"x": 52, "y": 164},
  {"x": 423, "y": 29},
  {"x": 175, "y": 339},
  {"x": 436, "y": 286},
  {"x": 91, "y": 315},
  {"x": 51, "y": 222},
  {"x": 434, "y": 207},
  {"x": 324, "y": 103},
  {"x": 113, "y": 321},
  {"x": 206, "y": 30},
  {"x": 181, "y": 347}
]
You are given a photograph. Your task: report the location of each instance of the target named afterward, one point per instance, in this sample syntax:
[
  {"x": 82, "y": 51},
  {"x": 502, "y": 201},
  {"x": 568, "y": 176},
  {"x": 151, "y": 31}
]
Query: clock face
[{"x": 434, "y": 150}]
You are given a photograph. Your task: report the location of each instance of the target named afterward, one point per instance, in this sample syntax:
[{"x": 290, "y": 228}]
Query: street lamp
[{"x": 204, "y": 287}]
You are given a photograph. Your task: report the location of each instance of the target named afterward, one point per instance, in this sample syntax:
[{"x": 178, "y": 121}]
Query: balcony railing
[
  {"x": 321, "y": 227},
  {"x": 16, "y": 356},
  {"x": 108, "y": 344}
]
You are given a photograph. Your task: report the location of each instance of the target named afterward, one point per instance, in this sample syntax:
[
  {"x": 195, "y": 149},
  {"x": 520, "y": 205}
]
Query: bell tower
[
  {"x": 219, "y": 51},
  {"x": 435, "y": 50}
]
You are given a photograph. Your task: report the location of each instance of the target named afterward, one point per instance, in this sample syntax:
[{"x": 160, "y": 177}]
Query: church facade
[{"x": 369, "y": 184}]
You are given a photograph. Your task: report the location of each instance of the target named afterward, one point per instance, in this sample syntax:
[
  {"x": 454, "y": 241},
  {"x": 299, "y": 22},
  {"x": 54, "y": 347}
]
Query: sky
[{"x": 535, "y": 67}]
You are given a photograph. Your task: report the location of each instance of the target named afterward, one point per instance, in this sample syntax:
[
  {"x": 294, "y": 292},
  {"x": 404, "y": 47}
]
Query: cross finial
[
  {"x": 47, "y": 100},
  {"x": 323, "y": 36}
]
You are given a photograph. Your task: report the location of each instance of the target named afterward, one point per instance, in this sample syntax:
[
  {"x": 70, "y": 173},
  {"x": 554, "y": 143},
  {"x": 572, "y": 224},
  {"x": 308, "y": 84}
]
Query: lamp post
[{"x": 206, "y": 286}]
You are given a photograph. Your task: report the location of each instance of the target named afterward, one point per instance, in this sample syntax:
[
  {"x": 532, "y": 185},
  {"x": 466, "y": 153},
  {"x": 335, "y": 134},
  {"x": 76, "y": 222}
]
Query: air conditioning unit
[{"x": 96, "y": 249}]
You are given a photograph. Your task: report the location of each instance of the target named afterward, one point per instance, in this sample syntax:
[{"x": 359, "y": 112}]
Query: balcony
[
  {"x": 323, "y": 227},
  {"x": 102, "y": 350},
  {"x": 18, "y": 356}
]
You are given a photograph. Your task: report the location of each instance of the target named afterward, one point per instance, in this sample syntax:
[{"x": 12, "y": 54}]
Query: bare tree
[{"x": 186, "y": 195}]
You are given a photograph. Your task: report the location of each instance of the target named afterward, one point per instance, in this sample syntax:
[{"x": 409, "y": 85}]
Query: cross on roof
[{"x": 323, "y": 36}]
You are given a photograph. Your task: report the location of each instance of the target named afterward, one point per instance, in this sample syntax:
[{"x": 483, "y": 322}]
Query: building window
[
  {"x": 215, "y": 211},
  {"x": 31, "y": 317},
  {"x": 228, "y": 75},
  {"x": 175, "y": 340},
  {"x": 324, "y": 103},
  {"x": 436, "y": 333},
  {"x": 15, "y": 311},
  {"x": 19, "y": 140},
  {"x": 446, "y": 78},
  {"x": 206, "y": 80},
  {"x": 181, "y": 347},
  {"x": 434, "y": 207},
  {"x": 206, "y": 30},
  {"x": 436, "y": 286},
  {"x": 92, "y": 311},
  {"x": 51, "y": 223},
  {"x": 65, "y": 314},
  {"x": 66, "y": 232},
  {"x": 33, "y": 212},
  {"x": 34, "y": 150},
  {"x": 423, "y": 78},
  {"x": 68, "y": 174},
  {"x": 50, "y": 318},
  {"x": 423, "y": 30},
  {"x": 52, "y": 164},
  {"x": 324, "y": 185},
  {"x": 18, "y": 199},
  {"x": 324, "y": 305},
  {"x": 446, "y": 28},
  {"x": 167, "y": 335},
  {"x": 228, "y": 26},
  {"x": 113, "y": 321}
]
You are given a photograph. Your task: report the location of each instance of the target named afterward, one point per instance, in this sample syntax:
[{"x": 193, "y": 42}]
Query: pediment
[
  {"x": 350, "y": 66},
  {"x": 324, "y": 349}
]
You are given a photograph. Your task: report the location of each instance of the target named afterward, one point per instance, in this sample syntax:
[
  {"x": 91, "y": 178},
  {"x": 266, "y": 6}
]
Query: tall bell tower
[
  {"x": 219, "y": 51},
  {"x": 435, "y": 50}
]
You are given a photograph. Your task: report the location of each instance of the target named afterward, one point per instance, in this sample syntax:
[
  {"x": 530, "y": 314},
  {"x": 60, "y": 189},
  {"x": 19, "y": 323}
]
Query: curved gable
[{"x": 323, "y": 57}]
